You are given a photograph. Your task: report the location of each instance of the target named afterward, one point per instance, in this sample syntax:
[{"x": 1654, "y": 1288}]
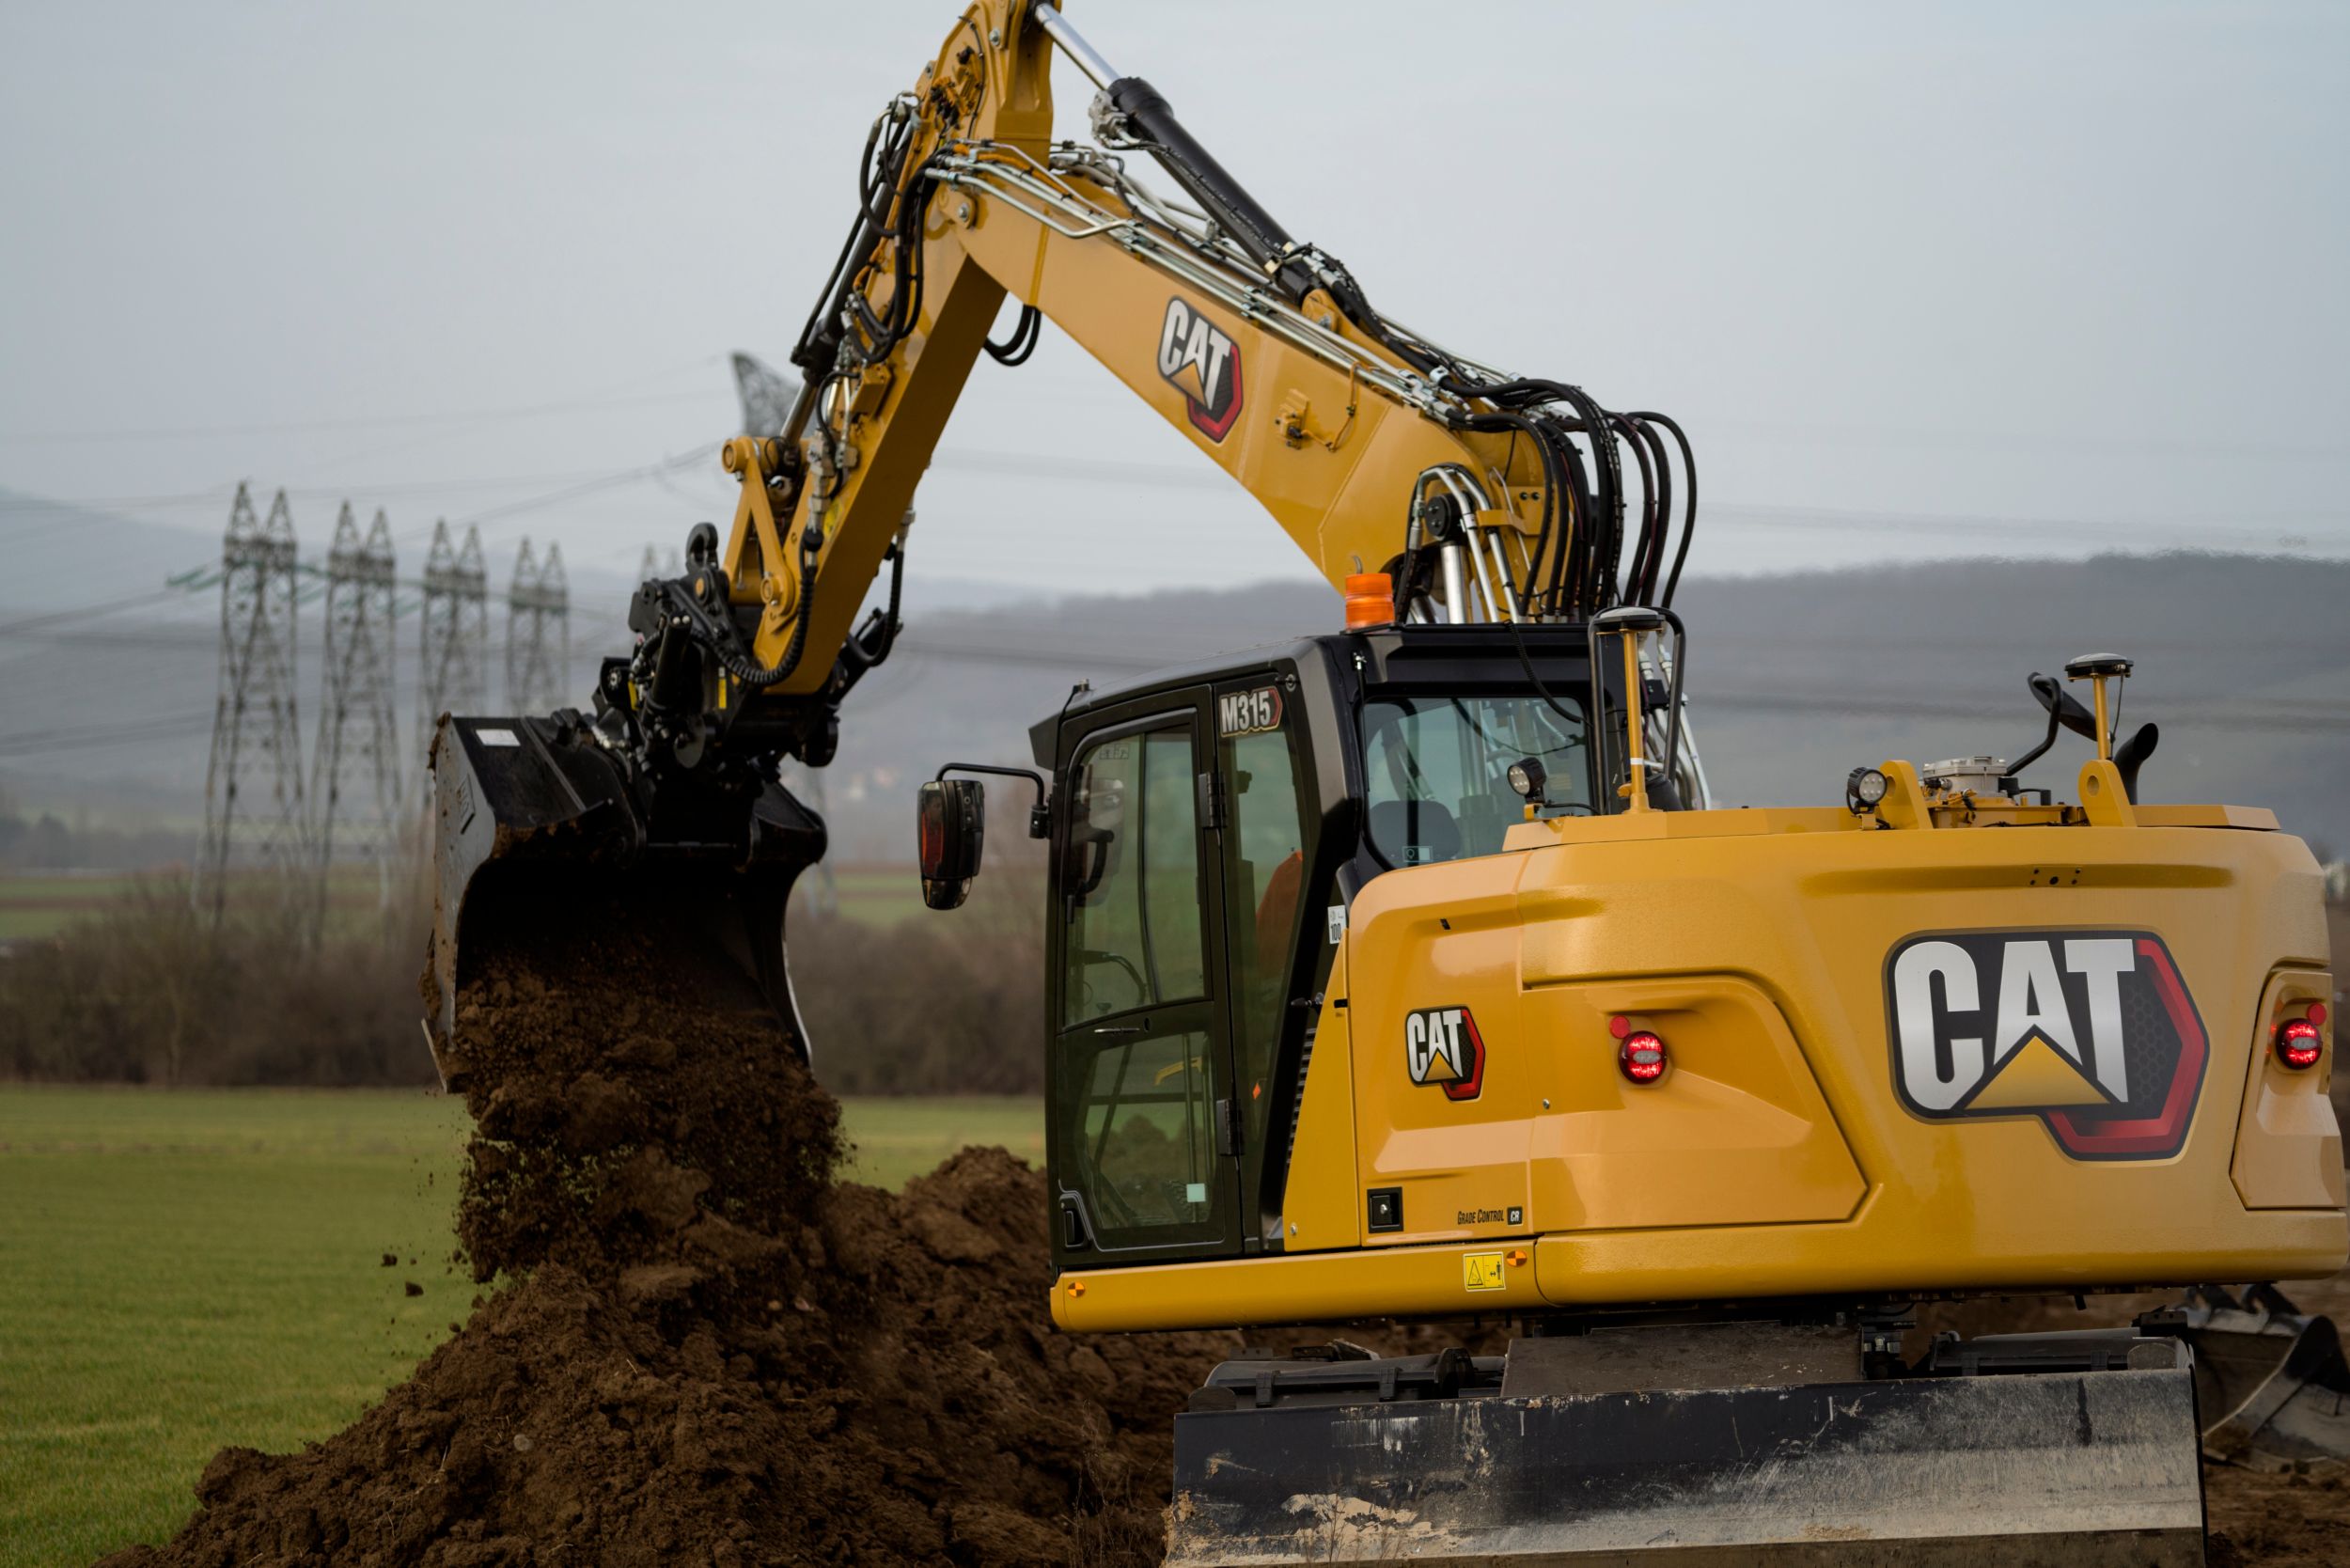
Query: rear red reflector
[
  {"x": 1641, "y": 1056},
  {"x": 2299, "y": 1043}
]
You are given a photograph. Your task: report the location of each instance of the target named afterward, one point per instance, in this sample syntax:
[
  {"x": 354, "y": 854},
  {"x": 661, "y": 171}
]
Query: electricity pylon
[
  {"x": 455, "y": 632},
  {"x": 354, "y": 784},
  {"x": 252, "y": 783},
  {"x": 537, "y": 632}
]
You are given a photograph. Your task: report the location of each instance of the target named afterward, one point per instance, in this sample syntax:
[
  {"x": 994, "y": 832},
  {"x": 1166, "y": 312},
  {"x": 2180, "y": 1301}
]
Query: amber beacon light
[{"x": 1369, "y": 600}]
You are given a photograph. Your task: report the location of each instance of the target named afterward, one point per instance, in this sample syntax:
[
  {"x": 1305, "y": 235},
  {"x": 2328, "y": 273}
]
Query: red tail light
[
  {"x": 1641, "y": 1056},
  {"x": 2300, "y": 1042}
]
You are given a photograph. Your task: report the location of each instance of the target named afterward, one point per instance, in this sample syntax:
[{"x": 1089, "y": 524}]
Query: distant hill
[{"x": 1794, "y": 679}]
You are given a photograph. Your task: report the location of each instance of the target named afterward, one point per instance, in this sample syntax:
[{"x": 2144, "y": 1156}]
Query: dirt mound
[
  {"x": 712, "y": 1352},
  {"x": 898, "y": 1398}
]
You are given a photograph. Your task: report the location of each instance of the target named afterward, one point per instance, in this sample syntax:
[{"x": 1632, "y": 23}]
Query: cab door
[{"x": 1140, "y": 1130}]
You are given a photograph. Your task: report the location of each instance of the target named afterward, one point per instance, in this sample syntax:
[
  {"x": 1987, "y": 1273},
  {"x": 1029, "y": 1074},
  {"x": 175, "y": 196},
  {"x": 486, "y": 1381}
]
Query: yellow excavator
[{"x": 1408, "y": 970}]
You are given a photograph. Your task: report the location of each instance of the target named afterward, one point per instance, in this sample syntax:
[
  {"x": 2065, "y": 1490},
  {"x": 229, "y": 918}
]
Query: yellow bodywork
[{"x": 1775, "y": 1157}]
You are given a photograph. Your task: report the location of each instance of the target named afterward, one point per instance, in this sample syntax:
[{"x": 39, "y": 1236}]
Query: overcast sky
[{"x": 1976, "y": 278}]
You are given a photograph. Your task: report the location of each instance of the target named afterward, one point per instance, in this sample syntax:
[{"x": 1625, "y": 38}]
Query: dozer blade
[
  {"x": 2017, "y": 1468},
  {"x": 538, "y": 833},
  {"x": 2272, "y": 1382}
]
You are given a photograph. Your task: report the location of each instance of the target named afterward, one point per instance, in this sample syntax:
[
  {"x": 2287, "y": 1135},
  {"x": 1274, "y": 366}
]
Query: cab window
[
  {"x": 1265, "y": 894},
  {"x": 1132, "y": 877},
  {"x": 1437, "y": 771}
]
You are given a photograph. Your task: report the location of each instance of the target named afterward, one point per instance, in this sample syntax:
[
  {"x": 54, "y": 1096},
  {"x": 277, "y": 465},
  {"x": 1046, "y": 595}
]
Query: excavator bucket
[
  {"x": 537, "y": 830},
  {"x": 2019, "y": 1450},
  {"x": 2271, "y": 1381}
]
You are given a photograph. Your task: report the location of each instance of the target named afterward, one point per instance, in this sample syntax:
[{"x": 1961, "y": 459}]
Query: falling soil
[
  {"x": 701, "y": 1347},
  {"x": 704, "y": 1348}
]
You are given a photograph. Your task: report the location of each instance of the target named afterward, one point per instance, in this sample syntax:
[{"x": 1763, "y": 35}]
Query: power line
[
  {"x": 83, "y": 737},
  {"x": 395, "y": 421}
]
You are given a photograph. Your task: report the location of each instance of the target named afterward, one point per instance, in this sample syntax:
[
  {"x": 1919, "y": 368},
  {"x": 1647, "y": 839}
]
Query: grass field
[
  {"x": 877, "y": 895},
  {"x": 180, "y": 1270},
  {"x": 39, "y": 904},
  {"x": 42, "y": 903}
]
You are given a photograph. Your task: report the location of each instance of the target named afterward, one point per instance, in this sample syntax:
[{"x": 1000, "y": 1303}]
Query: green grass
[
  {"x": 876, "y": 895},
  {"x": 180, "y": 1270},
  {"x": 41, "y": 904},
  {"x": 898, "y": 1139}
]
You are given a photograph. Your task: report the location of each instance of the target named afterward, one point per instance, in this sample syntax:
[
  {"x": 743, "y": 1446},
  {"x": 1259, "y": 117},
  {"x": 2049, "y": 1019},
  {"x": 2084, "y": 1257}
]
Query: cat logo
[
  {"x": 1202, "y": 364},
  {"x": 1441, "y": 1045},
  {"x": 2092, "y": 1031}
]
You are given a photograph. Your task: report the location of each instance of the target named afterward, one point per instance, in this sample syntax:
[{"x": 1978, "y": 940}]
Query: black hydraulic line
[
  {"x": 906, "y": 299},
  {"x": 1015, "y": 349},
  {"x": 1649, "y": 521},
  {"x": 1552, "y": 490},
  {"x": 1570, "y": 576},
  {"x": 733, "y": 660},
  {"x": 1661, "y": 467},
  {"x": 1690, "y": 507},
  {"x": 1526, "y": 662},
  {"x": 1606, "y": 528},
  {"x": 819, "y": 340},
  {"x": 870, "y": 644}
]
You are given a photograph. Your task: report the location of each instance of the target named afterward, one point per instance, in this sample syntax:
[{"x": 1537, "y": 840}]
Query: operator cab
[{"x": 1210, "y": 826}]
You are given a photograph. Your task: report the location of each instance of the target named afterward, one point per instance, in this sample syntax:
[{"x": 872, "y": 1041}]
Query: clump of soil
[{"x": 708, "y": 1350}]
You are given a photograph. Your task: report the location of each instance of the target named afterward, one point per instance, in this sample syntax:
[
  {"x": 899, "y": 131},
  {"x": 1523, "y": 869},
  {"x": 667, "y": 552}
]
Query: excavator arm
[
  {"x": 1405, "y": 472},
  {"x": 1262, "y": 351}
]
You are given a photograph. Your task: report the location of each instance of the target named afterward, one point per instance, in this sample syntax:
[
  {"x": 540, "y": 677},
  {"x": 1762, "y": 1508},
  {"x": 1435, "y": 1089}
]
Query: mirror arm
[{"x": 1040, "y": 819}]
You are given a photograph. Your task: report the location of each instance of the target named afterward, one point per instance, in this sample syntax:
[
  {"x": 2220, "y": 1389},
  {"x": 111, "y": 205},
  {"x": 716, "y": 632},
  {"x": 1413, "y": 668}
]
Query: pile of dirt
[{"x": 707, "y": 1350}]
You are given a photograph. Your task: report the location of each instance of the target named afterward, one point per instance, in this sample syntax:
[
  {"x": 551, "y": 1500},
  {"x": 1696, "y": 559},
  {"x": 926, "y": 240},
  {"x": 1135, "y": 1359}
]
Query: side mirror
[{"x": 951, "y": 817}]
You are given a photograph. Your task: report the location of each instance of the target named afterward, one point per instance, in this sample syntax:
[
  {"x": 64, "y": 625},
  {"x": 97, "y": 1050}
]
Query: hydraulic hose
[
  {"x": 1690, "y": 507},
  {"x": 1662, "y": 469},
  {"x": 1015, "y": 349},
  {"x": 1606, "y": 528},
  {"x": 1552, "y": 488},
  {"x": 856, "y": 649},
  {"x": 1649, "y": 546}
]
